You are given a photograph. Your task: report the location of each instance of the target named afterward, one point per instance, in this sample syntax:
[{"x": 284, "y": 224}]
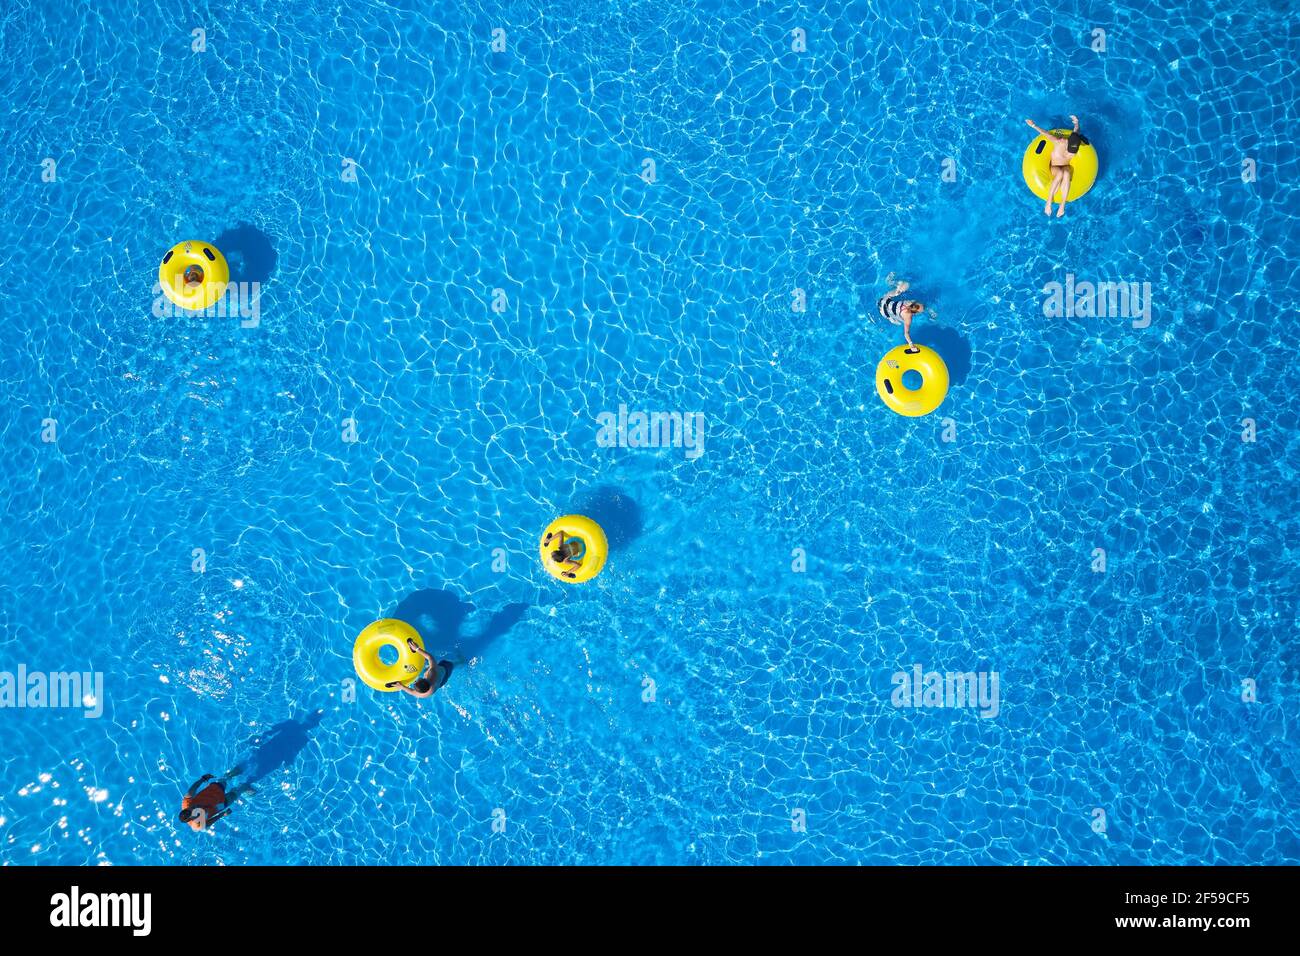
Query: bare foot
[
  {"x": 1060, "y": 212},
  {"x": 1047, "y": 209}
]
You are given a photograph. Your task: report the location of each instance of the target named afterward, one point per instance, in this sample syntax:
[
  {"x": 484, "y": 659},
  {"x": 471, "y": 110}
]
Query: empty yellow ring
[{"x": 906, "y": 401}]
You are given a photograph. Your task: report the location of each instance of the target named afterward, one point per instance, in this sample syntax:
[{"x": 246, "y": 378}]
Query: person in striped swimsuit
[{"x": 900, "y": 311}]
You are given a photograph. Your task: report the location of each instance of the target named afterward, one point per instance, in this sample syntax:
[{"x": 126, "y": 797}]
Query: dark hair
[
  {"x": 422, "y": 685},
  {"x": 187, "y": 814},
  {"x": 1075, "y": 141},
  {"x": 558, "y": 556}
]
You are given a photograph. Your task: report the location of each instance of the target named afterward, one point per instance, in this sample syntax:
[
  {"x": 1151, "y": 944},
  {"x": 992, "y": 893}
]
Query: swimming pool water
[{"x": 703, "y": 696}]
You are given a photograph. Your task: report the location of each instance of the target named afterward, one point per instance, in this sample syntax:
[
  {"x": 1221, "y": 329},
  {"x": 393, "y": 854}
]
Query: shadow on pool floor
[
  {"x": 951, "y": 346},
  {"x": 439, "y": 616},
  {"x": 615, "y": 511},
  {"x": 279, "y": 747},
  {"x": 250, "y": 253}
]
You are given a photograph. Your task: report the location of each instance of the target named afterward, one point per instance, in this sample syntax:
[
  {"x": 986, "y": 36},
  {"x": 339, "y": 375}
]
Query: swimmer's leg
[
  {"x": 238, "y": 792},
  {"x": 225, "y": 779},
  {"x": 1066, "y": 176},
  {"x": 1051, "y": 191}
]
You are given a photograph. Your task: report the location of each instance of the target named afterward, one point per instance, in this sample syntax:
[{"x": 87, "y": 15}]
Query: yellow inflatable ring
[
  {"x": 205, "y": 287},
  {"x": 371, "y": 668},
  {"x": 912, "y": 402},
  {"x": 1037, "y": 167},
  {"x": 595, "y": 548}
]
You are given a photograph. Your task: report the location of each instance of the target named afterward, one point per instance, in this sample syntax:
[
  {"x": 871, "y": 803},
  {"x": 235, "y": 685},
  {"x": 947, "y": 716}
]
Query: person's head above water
[
  {"x": 914, "y": 307},
  {"x": 188, "y": 814},
  {"x": 422, "y": 685},
  {"x": 1075, "y": 141},
  {"x": 559, "y": 555}
]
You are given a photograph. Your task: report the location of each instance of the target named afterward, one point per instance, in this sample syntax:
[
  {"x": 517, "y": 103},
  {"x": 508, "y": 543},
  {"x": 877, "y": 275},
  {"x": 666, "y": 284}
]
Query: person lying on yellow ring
[
  {"x": 1063, "y": 151},
  {"x": 422, "y": 686},
  {"x": 569, "y": 552}
]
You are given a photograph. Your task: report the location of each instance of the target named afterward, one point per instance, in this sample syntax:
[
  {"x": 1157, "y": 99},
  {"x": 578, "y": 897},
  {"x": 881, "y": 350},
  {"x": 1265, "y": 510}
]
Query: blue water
[{"x": 774, "y": 171}]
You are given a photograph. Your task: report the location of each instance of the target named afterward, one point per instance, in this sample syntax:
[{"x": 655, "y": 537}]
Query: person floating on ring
[
  {"x": 424, "y": 685},
  {"x": 569, "y": 552},
  {"x": 193, "y": 277},
  {"x": 1064, "y": 149},
  {"x": 900, "y": 311},
  {"x": 201, "y": 808}
]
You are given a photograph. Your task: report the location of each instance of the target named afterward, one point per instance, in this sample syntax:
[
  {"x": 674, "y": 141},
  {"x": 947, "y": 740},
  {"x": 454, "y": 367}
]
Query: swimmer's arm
[
  {"x": 194, "y": 787},
  {"x": 1041, "y": 131},
  {"x": 1076, "y": 122},
  {"x": 419, "y": 650},
  {"x": 405, "y": 688}
]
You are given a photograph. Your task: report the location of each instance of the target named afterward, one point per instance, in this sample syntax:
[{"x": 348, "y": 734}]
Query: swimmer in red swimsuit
[{"x": 201, "y": 808}]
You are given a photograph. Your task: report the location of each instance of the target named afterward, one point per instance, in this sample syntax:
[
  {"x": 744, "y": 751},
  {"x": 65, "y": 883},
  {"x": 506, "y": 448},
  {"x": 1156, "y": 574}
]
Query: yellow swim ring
[
  {"x": 194, "y": 275},
  {"x": 371, "y": 668},
  {"x": 1037, "y": 167},
  {"x": 906, "y": 401},
  {"x": 590, "y": 537}
]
